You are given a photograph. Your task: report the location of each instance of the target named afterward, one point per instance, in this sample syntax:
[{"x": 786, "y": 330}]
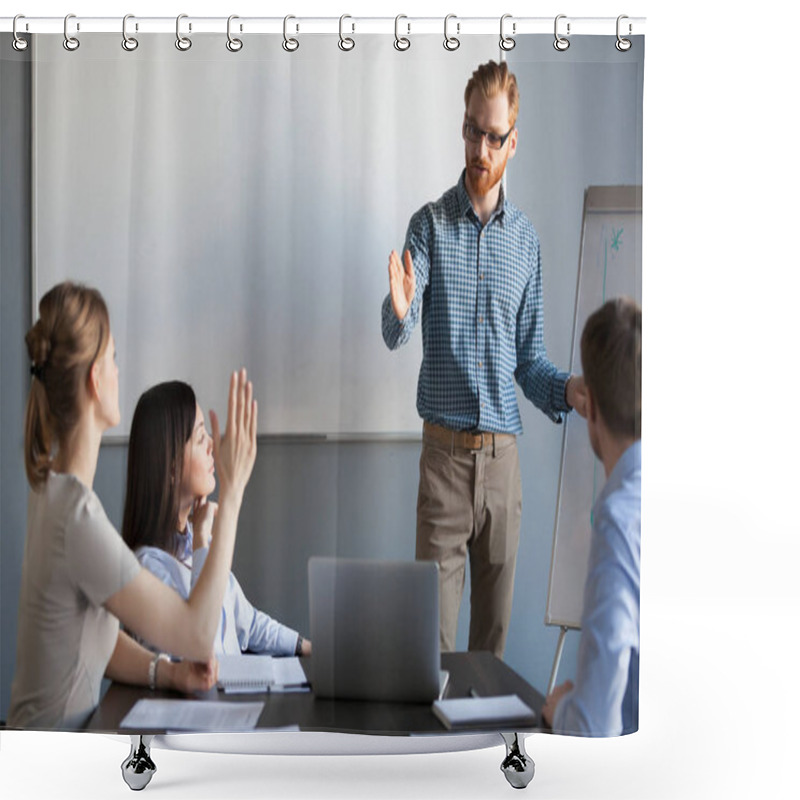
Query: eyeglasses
[{"x": 473, "y": 134}]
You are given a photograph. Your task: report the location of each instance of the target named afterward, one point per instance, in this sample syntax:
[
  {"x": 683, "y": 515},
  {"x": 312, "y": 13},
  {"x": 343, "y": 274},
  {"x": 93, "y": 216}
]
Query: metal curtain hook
[
  {"x": 507, "y": 42},
  {"x": 129, "y": 43},
  {"x": 289, "y": 44},
  {"x": 18, "y": 43},
  {"x": 346, "y": 42},
  {"x": 621, "y": 44},
  {"x": 451, "y": 42},
  {"x": 70, "y": 42},
  {"x": 183, "y": 43},
  {"x": 401, "y": 42},
  {"x": 233, "y": 44},
  {"x": 561, "y": 43}
]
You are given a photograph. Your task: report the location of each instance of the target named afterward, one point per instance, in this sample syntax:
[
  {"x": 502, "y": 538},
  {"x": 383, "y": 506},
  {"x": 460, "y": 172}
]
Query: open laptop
[{"x": 375, "y": 629}]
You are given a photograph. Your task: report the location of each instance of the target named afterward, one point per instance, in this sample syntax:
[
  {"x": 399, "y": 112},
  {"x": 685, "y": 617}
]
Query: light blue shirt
[
  {"x": 605, "y": 700},
  {"x": 241, "y": 626},
  {"x": 479, "y": 291}
]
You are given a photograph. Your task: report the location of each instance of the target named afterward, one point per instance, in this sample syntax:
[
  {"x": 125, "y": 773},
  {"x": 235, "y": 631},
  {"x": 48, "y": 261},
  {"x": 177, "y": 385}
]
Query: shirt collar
[
  {"x": 465, "y": 204},
  {"x": 184, "y": 539},
  {"x": 629, "y": 462}
]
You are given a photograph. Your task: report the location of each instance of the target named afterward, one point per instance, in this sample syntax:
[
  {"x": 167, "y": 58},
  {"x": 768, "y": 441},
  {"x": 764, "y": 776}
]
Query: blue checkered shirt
[{"x": 480, "y": 291}]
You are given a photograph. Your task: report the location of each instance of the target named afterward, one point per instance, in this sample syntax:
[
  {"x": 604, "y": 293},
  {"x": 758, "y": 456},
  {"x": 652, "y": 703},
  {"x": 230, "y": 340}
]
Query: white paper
[
  {"x": 192, "y": 715},
  {"x": 288, "y": 673}
]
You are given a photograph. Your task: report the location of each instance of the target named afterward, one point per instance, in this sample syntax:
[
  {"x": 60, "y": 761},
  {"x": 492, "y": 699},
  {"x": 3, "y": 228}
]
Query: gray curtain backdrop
[{"x": 239, "y": 209}]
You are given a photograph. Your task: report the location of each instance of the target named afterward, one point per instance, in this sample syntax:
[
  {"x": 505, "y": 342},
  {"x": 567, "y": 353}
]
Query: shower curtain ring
[
  {"x": 18, "y": 43},
  {"x": 507, "y": 42},
  {"x": 289, "y": 44},
  {"x": 561, "y": 43},
  {"x": 70, "y": 42},
  {"x": 623, "y": 45},
  {"x": 401, "y": 42},
  {"x": 183, "y": 43},
  {"x": 129, "y": 43},
  {"x": 346, "y": 43},
  {"x": 233, "y": 44},
  {"x": 451, "y": 42}
]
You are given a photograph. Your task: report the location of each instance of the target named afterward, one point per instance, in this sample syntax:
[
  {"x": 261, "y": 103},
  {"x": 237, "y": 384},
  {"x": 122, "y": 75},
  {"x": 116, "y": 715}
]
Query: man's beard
[{"x": 483, "y": 182}]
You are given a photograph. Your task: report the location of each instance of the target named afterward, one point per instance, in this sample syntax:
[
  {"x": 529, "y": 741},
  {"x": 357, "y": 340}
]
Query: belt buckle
[{"x": 475, "y": 437}]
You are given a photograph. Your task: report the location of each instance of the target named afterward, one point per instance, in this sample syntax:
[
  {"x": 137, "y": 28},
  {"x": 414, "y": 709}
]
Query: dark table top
[{"x": 481, "y": 672}]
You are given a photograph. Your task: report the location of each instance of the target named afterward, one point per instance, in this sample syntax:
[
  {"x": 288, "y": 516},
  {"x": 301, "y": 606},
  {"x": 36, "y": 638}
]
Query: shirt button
[
  {"x": 480, "y": 363},
  {"x": 480, "y": 319}
]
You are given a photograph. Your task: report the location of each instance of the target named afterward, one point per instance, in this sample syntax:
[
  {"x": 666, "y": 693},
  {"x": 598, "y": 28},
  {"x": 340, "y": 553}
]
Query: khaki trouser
[{"x": 470, "y": 501}]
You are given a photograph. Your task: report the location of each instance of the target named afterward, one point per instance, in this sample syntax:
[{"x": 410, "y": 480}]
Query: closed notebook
[
  {"x": 476, "y": 711},
  {"x": 260, "y": 673},
  {"x": 238, "y": 672}
]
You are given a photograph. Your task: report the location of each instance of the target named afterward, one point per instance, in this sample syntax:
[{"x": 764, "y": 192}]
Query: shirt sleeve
[
  {"x": 98, "y": 560},
  {"x": 256, "y": 631},
  {"x": 397, "y": 332},
  {"x": 609, "y": 637},
  {"x": 164, "y": 567},
  {"x": 542, "y": 383}
]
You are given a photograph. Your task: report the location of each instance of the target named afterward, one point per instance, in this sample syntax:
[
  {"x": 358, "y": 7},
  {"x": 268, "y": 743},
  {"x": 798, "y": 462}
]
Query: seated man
[{"x": 604, "y": 700}]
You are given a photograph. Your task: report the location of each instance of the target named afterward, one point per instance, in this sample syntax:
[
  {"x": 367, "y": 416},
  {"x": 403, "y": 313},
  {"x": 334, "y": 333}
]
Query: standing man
[
  {"x": 472, "y": 268},
  {"x": 604, "y": 700}
]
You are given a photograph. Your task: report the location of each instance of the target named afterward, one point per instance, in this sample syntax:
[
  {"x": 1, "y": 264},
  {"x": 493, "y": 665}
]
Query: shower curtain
[{"x": 237, "y": 206}]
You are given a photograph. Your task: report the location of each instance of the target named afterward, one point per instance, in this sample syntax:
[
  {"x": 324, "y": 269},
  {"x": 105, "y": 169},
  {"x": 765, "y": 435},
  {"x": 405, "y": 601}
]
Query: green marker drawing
[{"x": 616, "y": 236}]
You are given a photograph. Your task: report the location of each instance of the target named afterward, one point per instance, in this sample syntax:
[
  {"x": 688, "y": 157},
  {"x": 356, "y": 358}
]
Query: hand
[
  {"x": 235, "y": 451},
  {"x": 305, "y": 648},
  {"x": 576, "y": 394},
  {"x": 549, "y": 707},
  {"x": 203, "y": 514},
  {"x": 402, "y": 283},
  {"x": 193, "y": 676}
]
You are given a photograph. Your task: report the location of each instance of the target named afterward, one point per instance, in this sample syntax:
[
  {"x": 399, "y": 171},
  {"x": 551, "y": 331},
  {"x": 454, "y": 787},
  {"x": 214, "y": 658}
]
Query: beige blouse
[{"x": 74, "y": 561}]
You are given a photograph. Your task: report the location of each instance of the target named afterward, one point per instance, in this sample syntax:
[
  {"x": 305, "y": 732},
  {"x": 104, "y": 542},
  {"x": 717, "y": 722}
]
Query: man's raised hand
[{"x": 402, "y": 283}]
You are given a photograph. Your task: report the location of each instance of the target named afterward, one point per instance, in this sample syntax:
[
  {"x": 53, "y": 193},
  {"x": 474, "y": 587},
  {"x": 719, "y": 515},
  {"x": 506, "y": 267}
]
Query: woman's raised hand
[{"x": 235, "y": 450}]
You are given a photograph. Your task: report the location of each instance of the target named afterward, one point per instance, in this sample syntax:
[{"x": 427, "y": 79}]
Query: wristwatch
[{"x": 298, "y": 648}]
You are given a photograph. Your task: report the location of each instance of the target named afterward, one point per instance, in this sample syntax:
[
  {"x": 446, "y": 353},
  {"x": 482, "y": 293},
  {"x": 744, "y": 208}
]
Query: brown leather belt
[{"x": 466, "y": 440}]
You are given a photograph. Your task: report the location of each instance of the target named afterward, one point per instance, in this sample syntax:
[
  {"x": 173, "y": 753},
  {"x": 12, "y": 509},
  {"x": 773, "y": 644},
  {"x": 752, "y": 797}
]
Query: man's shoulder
[
  {"x": 517, "y": 218},
  {"x": 617, "y": 525},
  {"x": 444, "y": 207}
]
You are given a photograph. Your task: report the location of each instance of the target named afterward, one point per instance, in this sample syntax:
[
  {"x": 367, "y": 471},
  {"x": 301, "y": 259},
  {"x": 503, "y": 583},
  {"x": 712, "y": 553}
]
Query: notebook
[
  {"x": 375, "y": 629},
  {"x": 476, "y": 711},
  {"x": 239, "y": 673}
]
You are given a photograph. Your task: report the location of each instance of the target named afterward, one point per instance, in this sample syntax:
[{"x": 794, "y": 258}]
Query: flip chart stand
[
  {"x": 138, "y": 768},
  {"x": 557, "y": 660}
]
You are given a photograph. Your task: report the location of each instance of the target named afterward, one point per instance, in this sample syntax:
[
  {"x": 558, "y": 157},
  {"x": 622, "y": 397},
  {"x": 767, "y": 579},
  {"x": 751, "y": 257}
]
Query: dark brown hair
[
  {"x": 491, "y": 79},
  {"x": 72, "y": 331},
  {"x": 162, "y": 424},
  {"x": 611, "y": 354}
]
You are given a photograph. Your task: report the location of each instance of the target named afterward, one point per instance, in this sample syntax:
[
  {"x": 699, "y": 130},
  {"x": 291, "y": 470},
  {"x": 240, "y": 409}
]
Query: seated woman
[
  {"x": 167, "y": 521},
  {"x": 79, "y": 579}
]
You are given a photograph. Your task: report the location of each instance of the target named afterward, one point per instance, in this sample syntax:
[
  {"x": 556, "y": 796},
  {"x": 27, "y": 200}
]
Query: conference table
[{"x": 479, "y": 674}]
